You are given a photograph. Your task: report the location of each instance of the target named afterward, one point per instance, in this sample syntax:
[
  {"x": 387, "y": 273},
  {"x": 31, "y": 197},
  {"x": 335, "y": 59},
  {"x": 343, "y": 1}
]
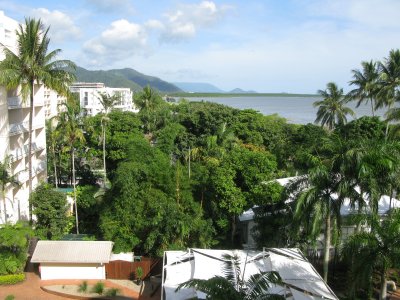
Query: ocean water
[{"x": 298, "y": 110}]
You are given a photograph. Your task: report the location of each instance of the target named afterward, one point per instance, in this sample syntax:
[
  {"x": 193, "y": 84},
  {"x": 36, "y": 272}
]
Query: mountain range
[
  {"x": 127, "y": 78},
  {"x": 130, "y": 78}
]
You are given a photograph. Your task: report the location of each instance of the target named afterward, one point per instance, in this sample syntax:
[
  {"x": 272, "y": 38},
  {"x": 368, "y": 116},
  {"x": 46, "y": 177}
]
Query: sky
[{"x": 293, "y": 46}]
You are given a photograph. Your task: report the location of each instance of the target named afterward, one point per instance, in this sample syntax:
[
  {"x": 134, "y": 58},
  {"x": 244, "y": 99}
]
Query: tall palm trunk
[
  {"x": 30, "y": 148},
  {"x": 104, "y": 154},
  {"x": 327, "y": 246},
  {"x": 55, "y": 167},
  {"x": 74, "y": 185},
  {"x": 3, "y": 193},
  {"x": 383, "y": 291},
  {"x": 372, "y": 107}
]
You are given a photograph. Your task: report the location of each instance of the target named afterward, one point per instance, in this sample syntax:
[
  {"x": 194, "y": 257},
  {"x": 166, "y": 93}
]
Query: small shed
[{"x": 72, "y": 259}]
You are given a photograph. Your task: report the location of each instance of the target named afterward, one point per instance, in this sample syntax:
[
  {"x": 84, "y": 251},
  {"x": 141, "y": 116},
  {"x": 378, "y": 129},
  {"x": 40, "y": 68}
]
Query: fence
[{"x": 120, "y": 269}]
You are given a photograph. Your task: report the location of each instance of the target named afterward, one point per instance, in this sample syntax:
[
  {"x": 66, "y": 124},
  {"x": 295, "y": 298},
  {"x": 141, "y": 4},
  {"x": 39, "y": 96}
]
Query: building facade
[
  {"x": 89, "y": 97},
  {"x": 14, "y": 137}
]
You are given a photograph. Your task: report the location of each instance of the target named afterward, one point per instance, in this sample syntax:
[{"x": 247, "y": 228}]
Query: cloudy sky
[{"x": 263, "y": 45}]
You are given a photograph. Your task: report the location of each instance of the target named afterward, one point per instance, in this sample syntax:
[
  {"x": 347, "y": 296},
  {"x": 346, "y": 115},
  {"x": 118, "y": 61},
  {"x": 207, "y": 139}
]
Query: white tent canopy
[{"x": 301, "y": 280}]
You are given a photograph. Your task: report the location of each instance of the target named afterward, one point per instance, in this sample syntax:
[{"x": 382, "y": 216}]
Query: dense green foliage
[
  {"x": 50, "y": 207},
  {"x": 180, "y": 174},
  {"x": 13, "y": 248},
  {"x": 11, "y": 279}
]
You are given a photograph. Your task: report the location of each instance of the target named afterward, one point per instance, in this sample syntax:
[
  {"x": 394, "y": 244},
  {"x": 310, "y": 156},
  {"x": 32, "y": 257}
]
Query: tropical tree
[
  {"x": 5, "y": 179},
  {"x": 318, "y": 205},
  {"x": 366, "y": 84},
  {"x": 52, "y": 142},
  {"x": 69, "y": 123},
  {"x": 149, "y": 103},
  {"x": 233, "y": 286},
  {"x": 107, "y": 102},
  {"x": 390, "y": 87},
  {"x": 375, "y": 251},
  {"x": 31, "y": 66},
  {"x": 332, "y": 110}
]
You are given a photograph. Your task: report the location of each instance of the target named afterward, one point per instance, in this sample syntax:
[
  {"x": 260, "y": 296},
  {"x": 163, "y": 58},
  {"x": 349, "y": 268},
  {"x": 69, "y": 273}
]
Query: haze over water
[{"x": 298, "y": 110}]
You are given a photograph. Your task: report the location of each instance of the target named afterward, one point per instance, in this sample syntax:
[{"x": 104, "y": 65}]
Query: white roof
[
  {"x": 72, "y": 252},
  {"x": 301, "y": 280}
]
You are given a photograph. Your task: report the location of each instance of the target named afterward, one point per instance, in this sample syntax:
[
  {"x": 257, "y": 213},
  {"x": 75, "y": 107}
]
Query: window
[{"x": 85, "y": 99}]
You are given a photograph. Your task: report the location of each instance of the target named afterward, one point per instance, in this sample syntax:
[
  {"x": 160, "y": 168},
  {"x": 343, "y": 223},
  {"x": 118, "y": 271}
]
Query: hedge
[{"x": 11, "y": 278}]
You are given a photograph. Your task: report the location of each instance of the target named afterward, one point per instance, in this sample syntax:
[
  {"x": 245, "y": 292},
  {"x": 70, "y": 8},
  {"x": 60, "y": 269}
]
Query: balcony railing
[
  {"x": 16, "y": 128},
  {"x": 23, "y": 176},
  {"x": 19, "y": 153},
  {"x": 17, "y": 102}
]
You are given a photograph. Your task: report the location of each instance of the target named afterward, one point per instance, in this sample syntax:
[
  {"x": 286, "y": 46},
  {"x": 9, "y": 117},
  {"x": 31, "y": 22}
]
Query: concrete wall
[{"x": 72, "y": 271}]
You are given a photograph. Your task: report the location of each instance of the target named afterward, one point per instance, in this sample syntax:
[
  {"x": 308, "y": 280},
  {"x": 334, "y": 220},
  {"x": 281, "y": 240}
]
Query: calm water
[{"x": 297, "y": 110}]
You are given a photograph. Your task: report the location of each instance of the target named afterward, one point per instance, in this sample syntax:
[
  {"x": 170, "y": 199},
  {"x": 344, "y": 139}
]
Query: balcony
[
  {"x": 17, "y": 128},
  {"x": 19, "y": 153},
  {"x": 17, "y": 102},
  {"x": 23, "y": 176}
]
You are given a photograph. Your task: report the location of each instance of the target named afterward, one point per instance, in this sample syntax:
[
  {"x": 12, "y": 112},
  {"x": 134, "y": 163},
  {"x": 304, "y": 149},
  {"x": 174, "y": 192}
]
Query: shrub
[
  {"x": 98, "y": 288},
  {"x": 112, "y": 292},
  {"x": 9, "y": 297},
  {"x": 83, "y": 287},
  {"x": 12, "y": 278}
]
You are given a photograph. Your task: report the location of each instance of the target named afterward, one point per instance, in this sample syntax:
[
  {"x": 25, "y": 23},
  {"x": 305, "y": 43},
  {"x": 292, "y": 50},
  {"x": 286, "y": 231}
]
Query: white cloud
[
  {"x": 376, "y": 14},
  {"x": 154, "y": 25},
  {"x": 183, "y": 23},
  {"x": 62, "y": 27},
  {"x": 107, "y": 6},
  {"x": 120, "y": 41}
]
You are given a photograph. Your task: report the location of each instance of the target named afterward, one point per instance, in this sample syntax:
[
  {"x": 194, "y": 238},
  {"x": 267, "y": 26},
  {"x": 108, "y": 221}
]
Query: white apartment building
[
  {"x": 89, "y": 97},
  {"x": 14, "y": 140}
]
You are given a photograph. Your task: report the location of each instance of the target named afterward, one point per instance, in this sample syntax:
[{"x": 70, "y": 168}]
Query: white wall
[{"x": 72, "y": 271}]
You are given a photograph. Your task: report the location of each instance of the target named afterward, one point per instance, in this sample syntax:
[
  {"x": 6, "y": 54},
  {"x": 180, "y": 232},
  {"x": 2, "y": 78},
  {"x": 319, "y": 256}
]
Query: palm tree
[
  {"x": 33, "y": 65},
  {"x": 52, "y": 138},
  {"x": 70, "y": 125},
  {"x": 318, "y": 205},
  {"x": 108, "y": 103},
  {"x": 366, "y": 83},
  {"x": 332, "y": 110},
  {"x": 5, "y": 179},
  {"x": 389, "y": 85},
  {"x": 233, "y": 286},
  {"x": 148, "y": 101},
  {"x": 375, "y": 251}
]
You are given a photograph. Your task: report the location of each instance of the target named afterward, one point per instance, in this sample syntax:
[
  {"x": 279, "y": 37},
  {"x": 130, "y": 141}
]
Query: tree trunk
[
  {"x": 30, "y": 149},
  {"x": 104, "y": 155},
  {"x": 372, "y": 106},
  {"x": 383, "y": 292},
  {"x": 74, "y": 185},
  {"x": 327, "y": 246},
  {"x": 55, "y": 168},
  {"x": 189, "y": 161},
  {"x": 5, "y": 206},
  {"x": 233, "y": 229}
]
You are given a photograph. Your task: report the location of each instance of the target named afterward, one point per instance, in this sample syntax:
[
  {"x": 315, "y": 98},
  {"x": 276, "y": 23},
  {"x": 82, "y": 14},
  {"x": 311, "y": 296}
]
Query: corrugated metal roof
[{"x": 72, "y": 252}]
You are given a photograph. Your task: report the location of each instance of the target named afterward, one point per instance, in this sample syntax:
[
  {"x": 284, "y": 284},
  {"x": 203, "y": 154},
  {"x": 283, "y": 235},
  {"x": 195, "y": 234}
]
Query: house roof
[
  {"x": 300, "y": 280},
  {"x": 72, "y": 252}
]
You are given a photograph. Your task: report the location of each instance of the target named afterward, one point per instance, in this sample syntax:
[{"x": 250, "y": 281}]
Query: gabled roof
[
  {"x": 300, "y": 280},
  {"x": 72, "y": 252}
]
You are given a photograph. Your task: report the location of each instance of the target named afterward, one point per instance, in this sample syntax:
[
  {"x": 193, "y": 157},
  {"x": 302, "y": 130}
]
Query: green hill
[{"x": 127, "y": 78}]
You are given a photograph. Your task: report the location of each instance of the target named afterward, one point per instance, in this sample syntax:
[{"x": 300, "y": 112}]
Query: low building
[
  {"x": 89, "y": 97},
  {"x": 247, "y": 222},
  {"x": 72, "y": 259},
  {"x": 300, "y": 281}
]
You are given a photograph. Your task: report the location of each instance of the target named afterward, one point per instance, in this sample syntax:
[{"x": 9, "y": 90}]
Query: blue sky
[{"x": 263, "y": 45}]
